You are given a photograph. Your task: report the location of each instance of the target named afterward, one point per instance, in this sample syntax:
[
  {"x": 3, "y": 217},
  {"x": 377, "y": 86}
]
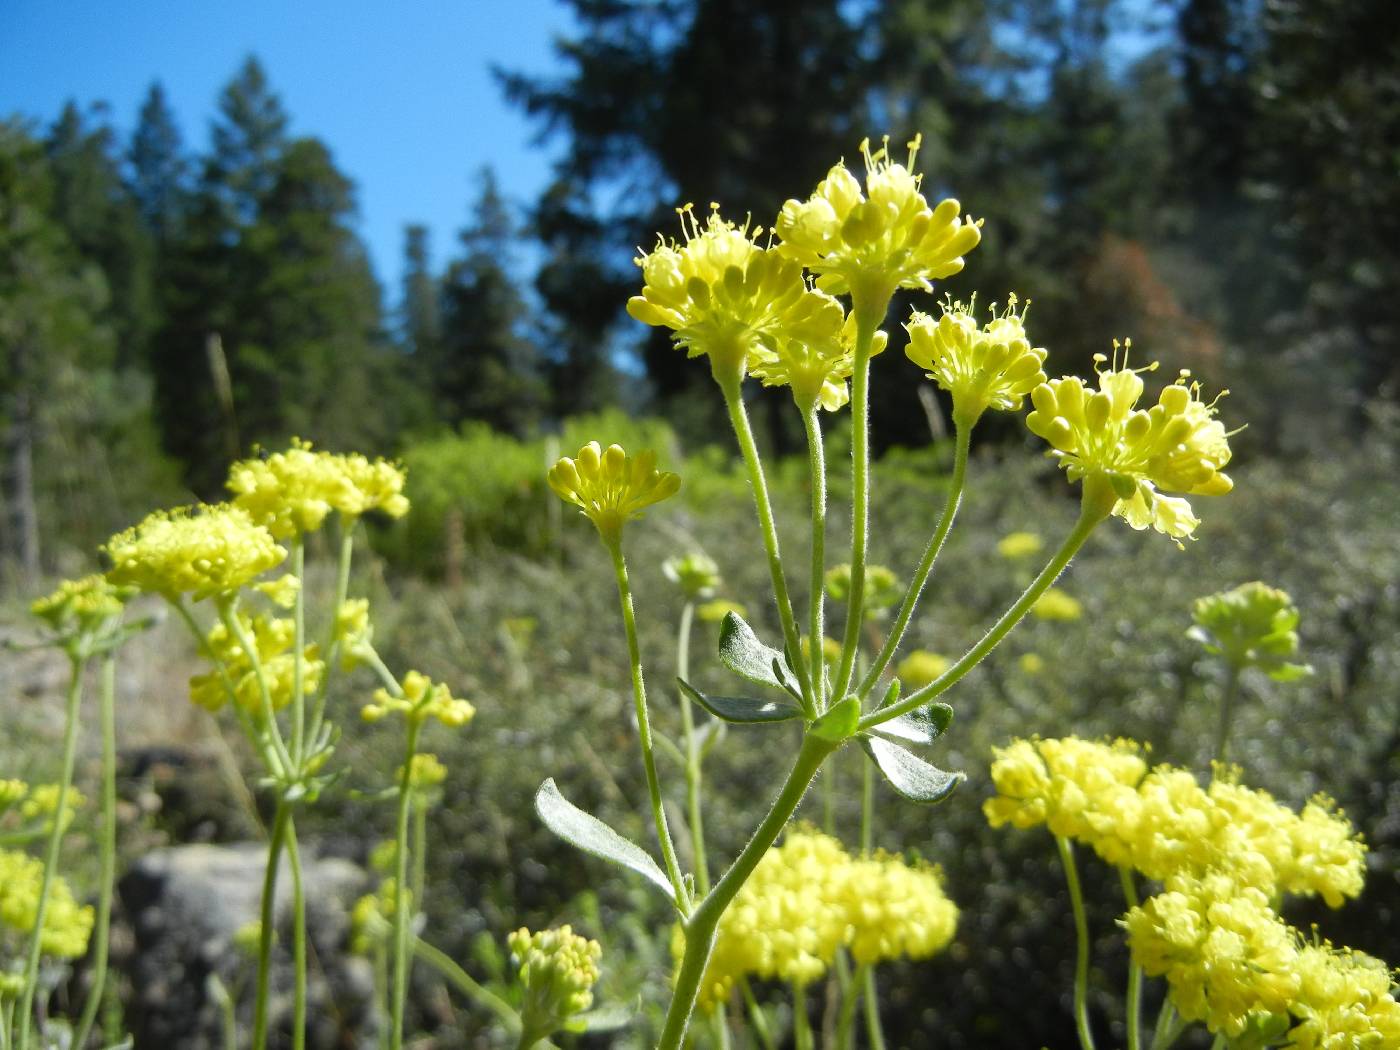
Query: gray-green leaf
[
  {"x": 742, "y": 652},
  {"x": 743, "y": 709},
  {"x": 591, "y": 835},
  {"x": 910, "y": 775},
  {"x": 923, "y": 725}
]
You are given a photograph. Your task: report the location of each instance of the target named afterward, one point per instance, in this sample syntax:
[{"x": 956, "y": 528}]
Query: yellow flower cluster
[
  {"x": 67, "y": 924},
  {"x": 83, "y": 606},
  {"x": 1163, "y": 824},
  {"x": 808, "y": 898},
  {"x": 1252, "y": 625},
  {"x": 695, "y": 574},
  {"x": 726, "y": 297},
  {"x": 870, "y": 242},
  {"x": 1080, "y": 789},
  {"x": 422, "y": 699},
  {"x": 816, "y": 371},
  {"x": 41, "y": 804},
  {"x": 1177, "y": 445},
  {"x": 920, "y": 668},
  {"x": 354, "y": 631},
  {"x": 988, "y": 366},
  {"x": 372, "y": 919},
  {"x": 1346, "y": 999},
  {"x": 291, "y": 492},
  {"x": 1223, "y": 951},
  {"x": 274, "y": 639},
  {"x": 201, "y": 551},
  {"x": 425, "y": 772},
  {"x": 1016, "y": 545},
  {"x": 881, "y": 591},
  {"x": 610, "y": 487},
  {"x": 1058, "y": 605},
  {"x": 11, "y": 791},
  {"x": 559, "y": 969}
]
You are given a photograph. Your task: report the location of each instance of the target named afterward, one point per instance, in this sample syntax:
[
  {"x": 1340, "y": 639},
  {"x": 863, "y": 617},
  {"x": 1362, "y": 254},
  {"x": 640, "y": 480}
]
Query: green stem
[
  {"x": 738, "y": 416},
  {"x": 801, "y": 1023},
  {"x": 1081, "y": 935},
  {"x": 228, "y": 613},
  {"x": 693, "y": 770},
  {"x": 420, "y": 856},
  {"x": 700, "y": 927},
  {"x": 299, "y": 654},
  {"x": 298, "y": 939},
  {"x": 108, "y": 848},
  {"x": 444, "y": 964},
  {"x": 1227, "y": 703},
  {"x": 874, "y": 1034},
  {"x": 342, "y": 589},
  {"x": 381, "y": 994},
  {"x": 846, "y": 1019},
  {"x": 639, "y": 697},
  {"x": 401, "y": 930},
  {"x": 757, "y": 1018},
  {"x": 931, "y": 552},
  {"x": 1134, "y": 1001},
  {"x": 1169, "y": 1027},
  {"x": 1090, "y": 515},
  {"x": 268, "y": 916},
  {"x": 77, "y": 663},
  {"x": 867, "y": 321},
  {"x": 867, "y": 807},
  {"x": 720, "y": 1024},
  {"x": 816, "y": 596}
]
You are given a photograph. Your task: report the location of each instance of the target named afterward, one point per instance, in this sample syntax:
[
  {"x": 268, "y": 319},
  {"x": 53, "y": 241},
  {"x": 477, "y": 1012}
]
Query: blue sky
[{"x": 401, "y": 92}]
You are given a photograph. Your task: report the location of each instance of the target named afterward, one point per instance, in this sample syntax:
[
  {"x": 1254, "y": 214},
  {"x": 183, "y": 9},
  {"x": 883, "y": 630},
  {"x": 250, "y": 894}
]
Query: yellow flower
[
  {"x": 696, "y": 574},
  {"x": 816, "y": 371},
  {"x": 920, "y": 668},
  {"x": 1031, "y": 663},
  {"x": 83, "y": 606},
  {"x": 1017, "y": 545},
  {"x": 881, "y": 590},
  {"x": 1251, "y": 625},
  {"x": 1080, "y": 789},
  {"x": 1176, "y": 446},
  {"x": 67, "y": 924},
  {"x": 422, "y": 699},
  {"x": 610, "y": 487},
  {"x": 1223, "y": 951},
  {"x": 870, "y": 243},
  {"x": 41, "y": 804},
  {"x": 354, "y": 631},
  {"x": 559, "y": 969},
  {"x": 1346, "y": 1000},
  {"x": 273, "y": 638},
  {"x": 726, "y": 297},
  {"x": 1327, "y": 856},
  {"x": 991, "y": 366},
  {"x": 716, "y": 610},
  {"x": 286, "y": 492},
  {"x": 281, "y": 592},
  {"x": 896, "y": 910},
  {"x": 1055, "y": 604},
  {"x": 201, "y": 551},
  {"x": 11, "y": 791},
  {"x": 369, "y": 484},
  {"x": 425, "y": 772}
]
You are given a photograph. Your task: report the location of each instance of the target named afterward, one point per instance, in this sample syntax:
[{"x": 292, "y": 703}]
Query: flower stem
[
  {"x": 738, "y": 416},
  {"x": 448, "y": 968},
  {"x": 299, "y": 654},
  {"x": 228, "y": 613},
  {"x": 702, "y": 923},
  {"x": 108, "y": 848},
  {"x": 874, "y": 1034},
  {"x": 816, "y": 597},
  {"x": 401, "y": 930},
  {"x": 298, "y": 939},
  {"x": 268, "y": 916},
  {"x": 639, "y": 697},
  {"x": 1227, "y": 704},
  {"x": 1134, "y": 1002},
  {"x": 801, "y": 1023},
  {"x": 1081, "y": 935},
  {"x": 846, "y": 1019},
  {"x": 866, "y": 324},
  {"x": 756, "y": 1016},
  {"x": 77, "y": 663},
  {"x": 342, "y": 589},
  {"x": 1090, "y": 516},
  {"x": 921, "y": 574},
  {"x": 693, "y": 770}
]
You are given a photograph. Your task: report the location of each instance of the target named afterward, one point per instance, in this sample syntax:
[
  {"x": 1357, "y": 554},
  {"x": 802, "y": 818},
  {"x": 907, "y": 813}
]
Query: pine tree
[
  {"x": 485, "y": 367},
  {"x": 158, "y": 165}
]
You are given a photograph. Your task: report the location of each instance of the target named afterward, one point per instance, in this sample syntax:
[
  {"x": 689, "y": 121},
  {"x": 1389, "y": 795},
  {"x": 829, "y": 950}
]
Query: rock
[{"x": 186, "y": 907}]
